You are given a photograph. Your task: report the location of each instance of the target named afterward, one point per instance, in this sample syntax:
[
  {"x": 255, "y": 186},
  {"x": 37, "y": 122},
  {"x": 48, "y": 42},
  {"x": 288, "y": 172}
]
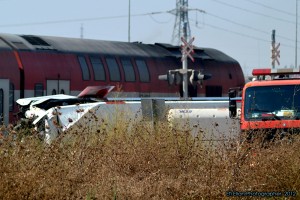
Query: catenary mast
[{"x": 181, "y": 26}]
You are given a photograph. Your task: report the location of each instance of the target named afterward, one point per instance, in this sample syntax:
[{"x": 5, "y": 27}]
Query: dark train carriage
[
  {"x": 45, "y": 65},
  {"x": 226, "y": 73}
]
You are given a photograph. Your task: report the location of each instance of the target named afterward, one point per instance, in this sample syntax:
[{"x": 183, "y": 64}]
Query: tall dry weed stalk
[{"x": 142, "y": 163}]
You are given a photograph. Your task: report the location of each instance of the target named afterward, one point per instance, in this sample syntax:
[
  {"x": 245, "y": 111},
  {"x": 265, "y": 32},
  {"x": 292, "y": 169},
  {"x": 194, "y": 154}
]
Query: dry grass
[{"x": 142, "y": 164}]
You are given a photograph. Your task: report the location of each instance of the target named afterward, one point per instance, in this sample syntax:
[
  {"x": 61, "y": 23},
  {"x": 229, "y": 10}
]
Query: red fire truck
[{"x": 269, "y": 103}]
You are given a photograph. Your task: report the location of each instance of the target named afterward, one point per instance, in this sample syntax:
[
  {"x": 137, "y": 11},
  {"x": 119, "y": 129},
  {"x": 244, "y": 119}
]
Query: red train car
[{"x": 44, "y": 65}]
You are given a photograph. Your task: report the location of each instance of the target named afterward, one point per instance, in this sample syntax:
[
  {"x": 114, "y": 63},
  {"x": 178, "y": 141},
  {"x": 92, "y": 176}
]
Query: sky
[{"x": 241, "y": 29}]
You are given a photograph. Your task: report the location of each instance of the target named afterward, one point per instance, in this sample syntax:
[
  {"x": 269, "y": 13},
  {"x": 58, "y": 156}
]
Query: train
[{"x": 34, "y": 65}]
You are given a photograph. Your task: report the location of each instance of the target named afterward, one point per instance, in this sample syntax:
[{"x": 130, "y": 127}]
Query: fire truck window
[
  {"x": 84, "y": 68},
  {"x": 128, "y": 70},
  {"x": 38, "y": 90},
  {"x": 99, "y": 72},
  {"x": 143, "y": 71},
  {"x": 272, "y": 99},
  {"x": 114, "y": 71},
  {"x": 11, "y": 97}
]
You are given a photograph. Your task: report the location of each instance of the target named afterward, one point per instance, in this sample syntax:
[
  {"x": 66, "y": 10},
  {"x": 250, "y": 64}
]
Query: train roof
[{"x": 92, "y": 46}]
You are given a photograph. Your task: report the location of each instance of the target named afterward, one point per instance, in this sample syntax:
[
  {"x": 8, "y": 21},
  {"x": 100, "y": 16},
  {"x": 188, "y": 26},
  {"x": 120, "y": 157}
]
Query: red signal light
[
  {"x": 257, "y": 72},
  {"x": 266, "y": 71}
]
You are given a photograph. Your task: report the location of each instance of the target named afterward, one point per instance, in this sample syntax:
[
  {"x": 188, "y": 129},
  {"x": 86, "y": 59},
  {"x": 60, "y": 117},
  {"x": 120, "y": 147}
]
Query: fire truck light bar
[{"x": 267, "y": 71}]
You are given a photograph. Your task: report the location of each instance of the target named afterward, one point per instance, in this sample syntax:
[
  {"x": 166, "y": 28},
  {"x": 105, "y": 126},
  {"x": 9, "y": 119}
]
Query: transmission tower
[{"x": 181, "y": 26}]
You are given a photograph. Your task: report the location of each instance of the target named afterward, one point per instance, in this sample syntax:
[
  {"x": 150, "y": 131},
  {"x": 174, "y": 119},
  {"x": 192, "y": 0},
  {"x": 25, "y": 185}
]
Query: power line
[
  {"x": 156, "y": 13},
  {"x": 247, "y": 26},
  {"x": 80, "y": 19},
  {"x": 160, "y": 22},
  {"x": 254, "y": 12},
  {"x": 271, "y": 8},
  {"x": 242, "y": 34},
  {"x": 136, "y": 15},
  {"x": 236, "y": 33}
]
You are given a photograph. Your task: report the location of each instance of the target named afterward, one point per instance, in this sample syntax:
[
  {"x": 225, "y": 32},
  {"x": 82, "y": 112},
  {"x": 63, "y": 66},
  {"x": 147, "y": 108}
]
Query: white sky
[{"x": 240, "y": 28}]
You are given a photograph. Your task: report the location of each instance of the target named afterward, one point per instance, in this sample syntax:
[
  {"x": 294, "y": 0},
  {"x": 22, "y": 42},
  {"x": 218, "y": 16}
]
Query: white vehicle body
[{"x": 210, "y": 117}]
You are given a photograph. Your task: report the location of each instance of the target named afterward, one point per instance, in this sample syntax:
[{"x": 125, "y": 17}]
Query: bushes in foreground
[{"x": 144, "y": 163}]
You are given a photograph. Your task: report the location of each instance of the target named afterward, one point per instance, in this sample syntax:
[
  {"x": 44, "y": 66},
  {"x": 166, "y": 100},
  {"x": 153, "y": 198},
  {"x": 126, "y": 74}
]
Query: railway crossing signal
[
  {"x": 198, "y": 77},
  {"x": 176, "y": 76},
  {"x": 180, "y": 76},
  {"x": 187, "y": 49},
  {"x": 275, "y": 51},
  {"x": 173, "y": 77},
  {"x": 275, "y": 54}
]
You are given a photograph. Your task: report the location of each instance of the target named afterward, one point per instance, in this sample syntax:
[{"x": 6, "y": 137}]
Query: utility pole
[
  {"x": 296, "y": 47},
  {"x": 81, "y": 31},
  {"x": 129, "y": 16}
]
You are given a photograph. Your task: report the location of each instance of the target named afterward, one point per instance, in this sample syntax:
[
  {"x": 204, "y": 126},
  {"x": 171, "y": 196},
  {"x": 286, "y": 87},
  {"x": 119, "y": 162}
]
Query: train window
[
  {"x": 213, "y": 91},
  {"x": 35, "y": 40},
  {"x": 128, "y": 70},
  {"x": 114, "y": 71},
  {"x": 84, "y": 68},
  {"x": 143, "y": 71},
  {"x": 99, "y": 72},
  {"x": 11, "y": 97},
  {"x": 38, "y": 89}
]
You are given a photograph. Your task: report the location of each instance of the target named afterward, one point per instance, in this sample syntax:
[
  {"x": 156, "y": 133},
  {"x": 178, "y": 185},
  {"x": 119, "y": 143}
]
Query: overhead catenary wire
[
  {"x": 157, "y": 13},
  {"x": 79, "y": 20},
  {"x": 248, "y": 27},
  {"x": 160, "y": 22},
  {"x": 254, "y": 12},
  {"x": 134, "y": 15},
  {"x": 243, "y": 35},
  {"x": 271, "y": 8}
]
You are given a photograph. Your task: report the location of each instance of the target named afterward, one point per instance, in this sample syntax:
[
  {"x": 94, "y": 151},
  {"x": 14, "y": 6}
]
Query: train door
[
  {"x": 4, "y": 101},
  {"x": 58, "y": 87}
]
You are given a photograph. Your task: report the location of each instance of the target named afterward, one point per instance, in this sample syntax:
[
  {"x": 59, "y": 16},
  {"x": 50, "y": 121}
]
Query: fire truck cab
[{"x": 271, "y": 102}]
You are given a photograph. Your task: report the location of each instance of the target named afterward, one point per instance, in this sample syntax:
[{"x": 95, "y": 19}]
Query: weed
[{"x": 130, "y": 160}]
